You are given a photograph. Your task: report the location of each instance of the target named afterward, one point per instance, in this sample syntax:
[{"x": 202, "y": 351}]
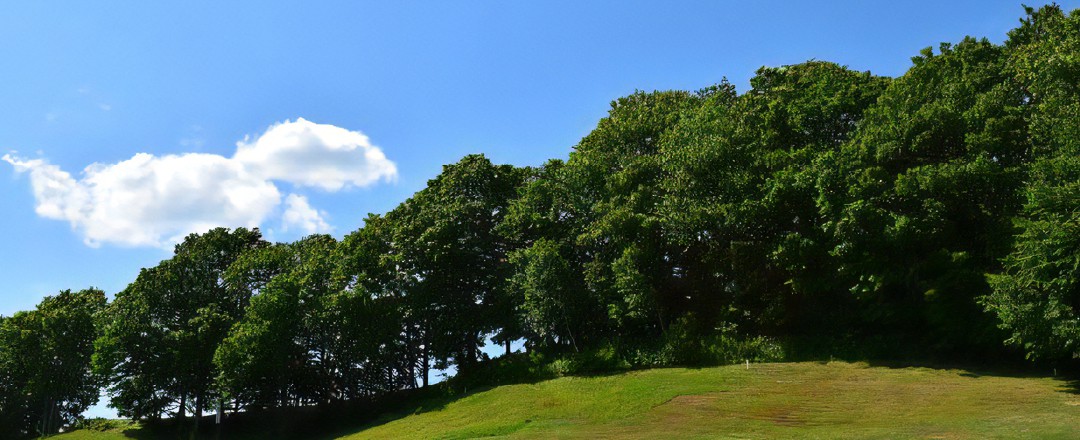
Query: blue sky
[{"x": 161, "y": 94}]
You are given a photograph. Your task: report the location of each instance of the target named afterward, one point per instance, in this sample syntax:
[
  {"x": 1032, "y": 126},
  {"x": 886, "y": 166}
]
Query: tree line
[{"x": 825, "y": 211}]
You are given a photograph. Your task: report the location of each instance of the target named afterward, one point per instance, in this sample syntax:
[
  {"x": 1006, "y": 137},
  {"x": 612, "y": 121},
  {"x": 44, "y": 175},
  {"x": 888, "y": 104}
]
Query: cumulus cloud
[
  {"x": 300, "y": 215},
  {"x": 58, "y": 195},
  {"x": 317, "y": 155},
  {"x": 150, "y": 200}
]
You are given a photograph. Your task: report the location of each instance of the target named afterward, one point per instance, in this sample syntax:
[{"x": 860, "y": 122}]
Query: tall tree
[
  {"x": 612, "y": 190},
  {"x": 547, "y": 284},
  {"x": 1037, "y": 296},
  {"x": 931, "y": 179},
  {"x": 310, "y": 335},
  {"x": 740, "y": 197},
  {"x": 455, "y": 260},
  {"x": 553, "y": 303},
  {"x": 161, "y": 332},
  {"x": 260, "y": 360},
  {"x": 45, "y": 377},
  {"x": 371, "y": 270}
]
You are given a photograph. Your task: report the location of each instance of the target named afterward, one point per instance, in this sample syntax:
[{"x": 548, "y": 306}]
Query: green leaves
[
  {"x": 161, "y": 332},
  {"x": 455, "y": 262},
  {"x": 554, "y": 304},
  {"x": 1037, "y": 299},
  {"x": 45, "y": 354},
  {"x": 1037, "y": 296},
  {"x": 310, "y": 335}
]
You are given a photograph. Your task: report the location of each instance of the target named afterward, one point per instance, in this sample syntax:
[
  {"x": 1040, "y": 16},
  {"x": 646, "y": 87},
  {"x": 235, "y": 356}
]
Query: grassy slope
[
  {"x": 804, "y": 400},
  {"x": 769, "y": 401}
]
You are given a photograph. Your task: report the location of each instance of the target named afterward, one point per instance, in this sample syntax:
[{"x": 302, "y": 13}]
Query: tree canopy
[{"x": 45, "y": 377}]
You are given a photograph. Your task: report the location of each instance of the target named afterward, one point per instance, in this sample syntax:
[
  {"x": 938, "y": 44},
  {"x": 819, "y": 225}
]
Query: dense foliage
[
  {"x": 45, "y": 377},
  {"x": 832, "y": 211},
  {"x": 161, "y": 332}
]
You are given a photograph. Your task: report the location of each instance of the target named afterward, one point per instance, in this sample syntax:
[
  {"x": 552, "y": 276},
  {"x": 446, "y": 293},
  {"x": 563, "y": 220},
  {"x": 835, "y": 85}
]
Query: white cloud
[
  {"x": 318, "y": 155},
  {"x": 58, "y": 195},
  {"x": 149, "y": 200},
  {"x": 300, "y": 215}
]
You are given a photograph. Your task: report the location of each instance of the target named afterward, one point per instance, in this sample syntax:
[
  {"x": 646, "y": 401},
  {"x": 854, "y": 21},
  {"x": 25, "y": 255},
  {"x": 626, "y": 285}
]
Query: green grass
[
  {"x": 788, "y": 400},
  {"x": 116, "y": 430}
]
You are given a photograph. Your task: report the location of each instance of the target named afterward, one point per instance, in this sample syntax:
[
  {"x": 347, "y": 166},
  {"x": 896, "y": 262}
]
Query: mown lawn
[{"x": 791, "y": 400}]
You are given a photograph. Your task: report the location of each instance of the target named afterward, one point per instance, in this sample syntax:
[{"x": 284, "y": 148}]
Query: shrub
[{"x": 101, "y": 424}]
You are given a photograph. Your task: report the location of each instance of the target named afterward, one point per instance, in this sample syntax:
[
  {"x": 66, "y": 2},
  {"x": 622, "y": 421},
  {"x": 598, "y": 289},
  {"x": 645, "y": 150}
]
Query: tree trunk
[
  {"x": 508, "y": 346},
  {"x": 427, "y": 365},
  {"x": 183, "y": 405},
  {"x": 198, "y": 410},
  {"x": 470, "y": 353},
  {"x": 660, "y": 319},
  {"x": 410, "y": 354},
  {"x": 181, "y": 415},
  {"x": 45, "y": 413},
  {"x": 566, "y": 322}
]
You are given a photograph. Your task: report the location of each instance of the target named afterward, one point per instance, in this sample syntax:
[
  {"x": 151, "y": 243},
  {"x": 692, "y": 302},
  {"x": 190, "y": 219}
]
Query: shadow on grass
[
  {"x": 312, "y": 422},
  {"x": 895, "y": 351},
  {"x": 344, "y": 418},
  {"x": 1071, "y": 386},
  {"x": 341, "y": 419},
  {"x": 464, "y": 386},
  {"x": 515, "y": 369},
  {"x": 388, "y": 415},
  {"x": 1067, "y": 374},
  {"x": 967, "y": 369},
  {"x": 315, "y": 422}
]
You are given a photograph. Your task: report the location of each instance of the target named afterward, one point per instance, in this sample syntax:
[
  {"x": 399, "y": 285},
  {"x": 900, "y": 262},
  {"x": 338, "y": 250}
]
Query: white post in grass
[{"x": 748, "y": 364}]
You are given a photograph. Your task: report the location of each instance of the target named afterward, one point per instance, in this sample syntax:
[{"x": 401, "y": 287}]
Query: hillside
[
  {"x": 824, "y": 212},
  {"x": 799, "y": 400}
]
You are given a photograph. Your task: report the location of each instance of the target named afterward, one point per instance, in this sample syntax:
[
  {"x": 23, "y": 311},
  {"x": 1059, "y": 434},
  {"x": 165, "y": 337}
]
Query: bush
[
  {"x": 101, "y": 424},
  {"x": 681, "y": 345},
  {"x": 684, "y": 344},
  {"x": 509, "y": 369},
  {"x": 607, "y": 357}
]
